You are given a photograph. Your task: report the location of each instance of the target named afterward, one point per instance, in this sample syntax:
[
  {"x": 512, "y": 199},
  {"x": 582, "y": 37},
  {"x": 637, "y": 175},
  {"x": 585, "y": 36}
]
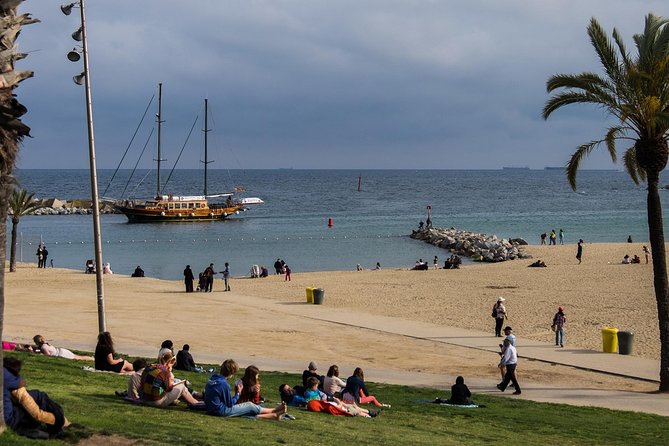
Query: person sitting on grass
[
  {"x": 292, "y": 396},
  {"x": 104, "y": 356},
  {"x": 157, "y": 387},
  {"x": 251, "y": 390},
  {"x": 135, "y": 380},
  {"x": 26, "y": 410},
  {"x": 49, "y": 350},
  {"x": 220, "y": 402},
  {"x": 356, "y": 390},
  {"x": 332, "y": 384},
  {"x": 460, "y": 393},
  {"x": 185, "y": 360},
  {"x": 318, "y": 401}
]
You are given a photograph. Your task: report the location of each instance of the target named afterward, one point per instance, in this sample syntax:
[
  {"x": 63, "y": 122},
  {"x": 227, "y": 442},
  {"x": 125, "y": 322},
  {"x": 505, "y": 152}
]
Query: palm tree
[
  {"x": 633, "y": 89},
  {"x": 12, "y": 130},
  {"x": 21, "y": 204}
]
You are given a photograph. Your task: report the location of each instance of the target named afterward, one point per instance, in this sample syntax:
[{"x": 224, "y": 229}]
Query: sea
[{"x": 372, "y": 212}]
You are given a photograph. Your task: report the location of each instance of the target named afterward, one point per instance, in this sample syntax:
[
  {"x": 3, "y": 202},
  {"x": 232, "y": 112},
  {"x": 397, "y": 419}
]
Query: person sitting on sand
[
  {"x": 358, "y": 267},
  {"x": 292, "y": 396},
  {"x": 139, "y": 272},
  {"x": 251, "y": 390},
  {"x": 318, "y": 401},
  {"x": 49, "y": 350},
  {"x": 537, "y": 264},
  {"x": 626, "y": 259},
  {"x": 332, "y": 384},
  {"x": 263, "y": 271},
  {"x": 636, "y": 259},
  {"x": 104, "y": 356},
  {"x": 356, "y": 390},
  {"x": 157, "y": 386},
  {"x": 26, "y": 410},
  {"x": 106, "y": 269},
  {"x": 219, "y": 401}
]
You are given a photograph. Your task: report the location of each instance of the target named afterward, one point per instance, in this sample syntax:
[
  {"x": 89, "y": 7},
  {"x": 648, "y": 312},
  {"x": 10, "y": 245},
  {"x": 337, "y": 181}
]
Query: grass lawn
[{"x": 88, "y": 400}]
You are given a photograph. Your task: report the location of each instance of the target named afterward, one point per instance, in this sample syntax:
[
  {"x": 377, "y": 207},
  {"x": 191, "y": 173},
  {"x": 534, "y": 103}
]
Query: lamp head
[
  {"x": 79, "y": 79},
  {"x": 73, "y": 56},
  {"x": 67, "y": 9},
  {"x": 78, "y": 35}
]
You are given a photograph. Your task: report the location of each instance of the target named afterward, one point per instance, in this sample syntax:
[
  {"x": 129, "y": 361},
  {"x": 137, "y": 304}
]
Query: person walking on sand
[
  {"x": 558, "y": 326},
  {"x": 509, "y": 360},
  {"x": 188, "y": 279},
  {"x": 209, "y": 278},
  {"x": 45, "y": 254},
  {"x": 40, "y": 256},
  {"x": 226, "y": 276},
  {"x": 499, "y": 313},
  {"x": 552, "y": 238},
  {"x": 287, "y": 269},
  {"x": 436, "y": 262},
  {"x": 561, "y": 236},
  {"x": 579, "y": 251},
  {"x": 543, "y": 238},
  {"x": 646, "y": 253}
]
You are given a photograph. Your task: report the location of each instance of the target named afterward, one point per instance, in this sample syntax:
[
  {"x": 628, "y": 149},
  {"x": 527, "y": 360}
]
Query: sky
[{"x": 317, "y": 84}]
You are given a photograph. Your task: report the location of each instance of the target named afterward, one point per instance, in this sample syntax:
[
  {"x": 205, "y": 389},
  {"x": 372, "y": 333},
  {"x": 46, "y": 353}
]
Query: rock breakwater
[
  {"x": 478, "y": 247},
  {"x": 54, "y": 206}
]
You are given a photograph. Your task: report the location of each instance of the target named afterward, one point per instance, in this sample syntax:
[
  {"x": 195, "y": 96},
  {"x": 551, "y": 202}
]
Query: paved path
[{"x": 614, "y": 364}]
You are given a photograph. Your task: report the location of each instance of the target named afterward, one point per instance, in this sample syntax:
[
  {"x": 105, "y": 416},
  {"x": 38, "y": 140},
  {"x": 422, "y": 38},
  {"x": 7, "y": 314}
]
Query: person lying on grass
[
  {"x": 157, "y": 387},
  {"x": 292, "y": 396},
  {"x": 318, "y": 401},
  {"x": 49, "y": 350},
  {"x": 26, "y": 410},
  {"x": 220, "y": 402}
]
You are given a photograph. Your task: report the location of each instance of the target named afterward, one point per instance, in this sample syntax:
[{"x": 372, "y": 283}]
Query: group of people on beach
[
  {"x": 552, "y": 237},
  {"x": 636, "y": 259}
]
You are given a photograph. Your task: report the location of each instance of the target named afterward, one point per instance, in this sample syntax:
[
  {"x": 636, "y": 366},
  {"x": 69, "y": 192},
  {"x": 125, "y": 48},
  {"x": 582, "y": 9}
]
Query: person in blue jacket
[{"x": 219, "y": 400}]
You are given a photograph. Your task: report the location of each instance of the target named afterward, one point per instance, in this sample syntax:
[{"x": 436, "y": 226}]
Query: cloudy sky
[{"x": 318, "y": 84}]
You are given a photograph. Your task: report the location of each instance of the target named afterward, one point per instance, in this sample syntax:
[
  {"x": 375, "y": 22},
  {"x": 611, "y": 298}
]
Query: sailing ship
[{"x": 170, "y": 208}]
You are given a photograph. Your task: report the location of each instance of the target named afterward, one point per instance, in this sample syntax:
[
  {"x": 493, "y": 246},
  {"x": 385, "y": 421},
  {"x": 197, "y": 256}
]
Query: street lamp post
[{"x": 80, "y": 36}]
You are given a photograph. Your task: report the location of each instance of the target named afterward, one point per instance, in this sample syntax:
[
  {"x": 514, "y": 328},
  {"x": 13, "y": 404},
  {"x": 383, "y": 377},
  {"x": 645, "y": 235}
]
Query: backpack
[{"x": 494, "y": 311}]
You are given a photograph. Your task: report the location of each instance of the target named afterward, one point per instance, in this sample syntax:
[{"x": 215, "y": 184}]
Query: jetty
[
  {"x": 476, "y": 246},
  {"x": 54, "y": 206}
]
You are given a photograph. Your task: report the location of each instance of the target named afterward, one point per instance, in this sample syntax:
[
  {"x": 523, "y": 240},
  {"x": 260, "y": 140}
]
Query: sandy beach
[{"x": 61, "y": 305}]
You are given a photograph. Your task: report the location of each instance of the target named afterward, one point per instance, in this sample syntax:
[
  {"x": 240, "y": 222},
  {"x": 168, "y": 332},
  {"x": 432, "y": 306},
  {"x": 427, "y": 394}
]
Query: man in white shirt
[{"x": 509, "y": 360}]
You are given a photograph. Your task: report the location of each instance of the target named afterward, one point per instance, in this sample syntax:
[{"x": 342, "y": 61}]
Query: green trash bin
[
  {"x": 625, "y": 342},
  {"x": 319, "y": 295},
  {"x": 609, "y": 340}
]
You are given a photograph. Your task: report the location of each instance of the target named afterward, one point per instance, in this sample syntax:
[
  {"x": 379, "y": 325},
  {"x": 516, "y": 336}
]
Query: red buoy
[{"x": 330, "y": 222}]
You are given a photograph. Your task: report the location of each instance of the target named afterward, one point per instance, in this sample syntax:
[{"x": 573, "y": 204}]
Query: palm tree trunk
[
  {"x": 12, "y": 249},
  {"x": 656, "y": 235},
  {"x": 5, "y": 190}
]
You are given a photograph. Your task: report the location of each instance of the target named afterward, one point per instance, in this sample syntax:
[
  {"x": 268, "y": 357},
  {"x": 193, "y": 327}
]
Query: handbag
[{"x": 554, "y": 328}]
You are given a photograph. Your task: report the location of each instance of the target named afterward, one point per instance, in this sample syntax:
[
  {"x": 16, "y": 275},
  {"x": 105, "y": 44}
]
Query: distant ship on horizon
[
  {"x": 554, "y": 168},
  {"x": 515, "y": 168}
]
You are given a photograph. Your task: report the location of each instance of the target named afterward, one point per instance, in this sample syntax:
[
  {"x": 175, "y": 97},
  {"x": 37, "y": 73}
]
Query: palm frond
[
  {"x": 22, "y": 203},
  {"x": 622, "y": 49},
  {"x": 575, "y": 161},
  {"x": 605, "y": 50},
  {"x": 611, "y": 136},
  {"x": 632, "y": 167},
  {"x": 583, "y": 81},
  {"x": 562, "y": 99}
]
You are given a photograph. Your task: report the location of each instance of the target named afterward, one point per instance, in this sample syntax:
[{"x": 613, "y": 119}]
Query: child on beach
[
  {"x": 288, "y": 271},
  {"x": 220, "y": 402}
]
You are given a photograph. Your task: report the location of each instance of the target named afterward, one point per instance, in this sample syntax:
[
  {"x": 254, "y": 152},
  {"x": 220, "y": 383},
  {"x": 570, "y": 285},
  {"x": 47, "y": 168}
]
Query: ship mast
[
  {"x": 159, "y": 121},
  {"x": 206, "y": 131}
]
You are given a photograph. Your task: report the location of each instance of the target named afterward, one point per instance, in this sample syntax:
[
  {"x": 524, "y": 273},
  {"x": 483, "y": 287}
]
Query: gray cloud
[{"x": 320, "y": 84}]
